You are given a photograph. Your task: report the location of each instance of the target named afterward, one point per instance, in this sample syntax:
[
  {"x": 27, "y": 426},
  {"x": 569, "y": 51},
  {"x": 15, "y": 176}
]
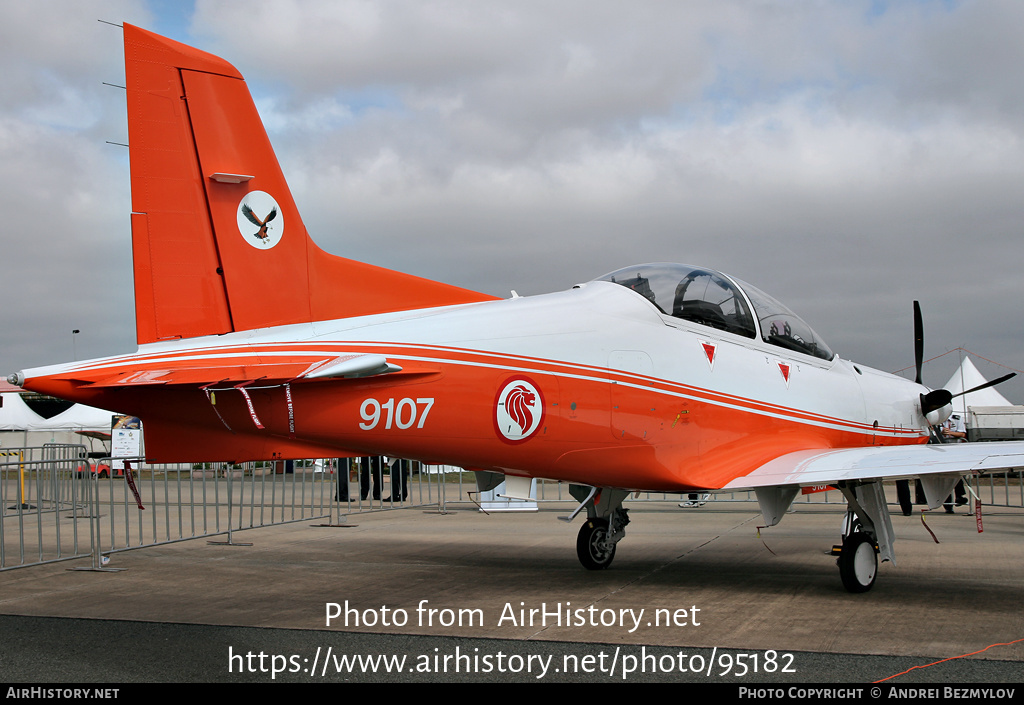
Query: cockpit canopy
[{"x": 710, "y": 298}]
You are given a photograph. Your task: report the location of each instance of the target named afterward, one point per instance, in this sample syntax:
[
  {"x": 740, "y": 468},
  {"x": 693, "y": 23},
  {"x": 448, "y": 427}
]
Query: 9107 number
[{"x": 401, "y": 414}]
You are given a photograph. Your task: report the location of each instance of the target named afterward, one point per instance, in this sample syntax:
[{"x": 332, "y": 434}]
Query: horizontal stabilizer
[
  {"x": 345, "y": 367},
  {"x": 354, "y": 366},
  {"x": 201, "y": 376}
]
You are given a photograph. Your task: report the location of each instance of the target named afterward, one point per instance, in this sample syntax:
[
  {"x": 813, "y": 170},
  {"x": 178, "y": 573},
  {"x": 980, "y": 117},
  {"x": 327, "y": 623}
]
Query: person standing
[
  {"x": 371, "y": 476},
  {"x": 954, "y": 431}
]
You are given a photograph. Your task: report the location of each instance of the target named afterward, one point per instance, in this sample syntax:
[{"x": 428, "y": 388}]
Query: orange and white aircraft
[{"x": 256, "y": 344}]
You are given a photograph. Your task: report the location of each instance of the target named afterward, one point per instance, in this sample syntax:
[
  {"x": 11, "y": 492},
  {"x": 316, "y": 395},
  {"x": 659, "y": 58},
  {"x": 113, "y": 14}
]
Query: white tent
[
  {"x": 16, "y": 416},
  {"x": 21, "y": 426},
  {"x": 79, "y": 418},
  {"x": 968, "y": 377}
]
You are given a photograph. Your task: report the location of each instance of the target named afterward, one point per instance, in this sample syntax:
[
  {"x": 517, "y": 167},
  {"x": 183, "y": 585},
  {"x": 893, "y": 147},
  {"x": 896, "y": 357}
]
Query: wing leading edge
[{"x": 824, "y": 467}]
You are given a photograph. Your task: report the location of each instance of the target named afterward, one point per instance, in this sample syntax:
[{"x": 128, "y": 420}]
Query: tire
[
  {"x": 858, "y": 562},
  {"x": 590, "y": 548}
]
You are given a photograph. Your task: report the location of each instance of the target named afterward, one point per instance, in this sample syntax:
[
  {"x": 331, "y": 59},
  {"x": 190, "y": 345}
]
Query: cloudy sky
[{"x": 846, "y": 157}]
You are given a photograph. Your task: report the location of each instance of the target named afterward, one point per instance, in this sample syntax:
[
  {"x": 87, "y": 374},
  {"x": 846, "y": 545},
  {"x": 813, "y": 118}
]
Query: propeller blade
[
  {"x": 940, "y": 397},
  {"x": 918, "y": 340},
  {"x": 988, "y": 384}
]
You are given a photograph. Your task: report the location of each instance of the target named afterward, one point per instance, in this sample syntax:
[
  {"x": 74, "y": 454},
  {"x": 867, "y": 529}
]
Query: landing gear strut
[{"x": 867, "y": 533}]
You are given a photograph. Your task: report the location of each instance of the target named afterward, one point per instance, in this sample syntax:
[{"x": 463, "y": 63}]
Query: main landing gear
[
  {"x": 605, "y": 525},
  {"x": 867, "y": 531},
  {"x": 858, "y": 562},
  {"x": 867, "y": 534}
]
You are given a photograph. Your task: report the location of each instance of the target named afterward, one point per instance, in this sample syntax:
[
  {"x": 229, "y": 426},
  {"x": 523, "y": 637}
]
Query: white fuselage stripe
[{"x": 245, "y": 351}]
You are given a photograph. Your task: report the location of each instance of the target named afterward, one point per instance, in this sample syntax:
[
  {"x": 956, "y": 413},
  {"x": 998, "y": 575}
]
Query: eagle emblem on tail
[
  {"x": 261, "y": 224},
  {"x": 250, "y": 214}
]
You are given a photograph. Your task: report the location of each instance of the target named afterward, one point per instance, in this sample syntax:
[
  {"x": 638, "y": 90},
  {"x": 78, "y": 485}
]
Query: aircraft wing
[{"x": 825, "y": 467}]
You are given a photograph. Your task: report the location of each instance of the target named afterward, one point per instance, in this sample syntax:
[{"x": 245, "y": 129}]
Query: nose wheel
[
  {"x": 858, "y": 562},
  {"x": 593, "y": 546}
]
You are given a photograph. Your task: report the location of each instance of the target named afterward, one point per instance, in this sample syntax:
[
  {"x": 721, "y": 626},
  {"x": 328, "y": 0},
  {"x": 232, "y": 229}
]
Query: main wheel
[
  {"x": 858, "y": 562},
  {"x": 592, "y": 546}
]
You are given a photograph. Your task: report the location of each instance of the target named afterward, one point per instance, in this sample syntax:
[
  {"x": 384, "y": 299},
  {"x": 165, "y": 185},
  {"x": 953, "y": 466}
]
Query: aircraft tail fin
[{"x": 218, "y": 243}]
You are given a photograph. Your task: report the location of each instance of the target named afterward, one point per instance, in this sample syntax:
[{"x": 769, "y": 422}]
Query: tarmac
[{"x": 693, "y": 595}]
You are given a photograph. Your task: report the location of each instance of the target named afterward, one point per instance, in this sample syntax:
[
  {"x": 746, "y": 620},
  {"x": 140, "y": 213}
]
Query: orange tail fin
[{"x": 217, "y": 241}]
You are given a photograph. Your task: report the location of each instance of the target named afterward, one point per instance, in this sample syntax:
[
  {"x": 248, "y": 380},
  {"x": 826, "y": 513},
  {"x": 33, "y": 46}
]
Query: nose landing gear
[
  {"x": 593, "y": 548},
  {"x": 605, "y": 525}
]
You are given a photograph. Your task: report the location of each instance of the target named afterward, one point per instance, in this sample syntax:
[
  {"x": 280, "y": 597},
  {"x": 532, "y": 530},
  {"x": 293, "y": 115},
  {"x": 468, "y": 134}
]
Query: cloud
[
  {"x": 64, "y": 192},
  {"x": 844, "y": 157}
]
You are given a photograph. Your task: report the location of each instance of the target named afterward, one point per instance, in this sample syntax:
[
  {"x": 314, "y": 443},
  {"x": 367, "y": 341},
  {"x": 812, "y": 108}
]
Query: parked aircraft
[{"x": 255, "y": 344}]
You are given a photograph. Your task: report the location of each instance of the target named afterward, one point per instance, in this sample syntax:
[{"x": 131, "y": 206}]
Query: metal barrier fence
[
  {"x": 1000, "y": 489},
  {"x": 178, "y": 503},
  {"x": 38, "y": 488},
  {"x": 58, "y": 506}
]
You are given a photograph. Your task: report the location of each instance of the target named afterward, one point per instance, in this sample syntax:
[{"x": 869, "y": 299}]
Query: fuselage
[{"x": 617, "y": 393}]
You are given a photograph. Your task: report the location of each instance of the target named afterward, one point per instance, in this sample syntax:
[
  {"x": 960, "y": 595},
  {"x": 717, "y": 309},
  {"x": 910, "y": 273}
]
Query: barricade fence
[
  {"x": 60, "y": 505},
  {"x": 45, "y": 505}
]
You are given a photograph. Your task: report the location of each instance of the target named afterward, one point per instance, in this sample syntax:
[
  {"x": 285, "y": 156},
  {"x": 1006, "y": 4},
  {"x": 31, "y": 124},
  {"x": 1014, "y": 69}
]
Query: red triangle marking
[
  {"x": 709, "y": 350},
  {"x": 784, "y": 368}
]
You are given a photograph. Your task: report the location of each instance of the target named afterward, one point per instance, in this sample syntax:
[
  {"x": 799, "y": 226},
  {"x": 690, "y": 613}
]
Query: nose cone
[{"x": 938, "y": 416}]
